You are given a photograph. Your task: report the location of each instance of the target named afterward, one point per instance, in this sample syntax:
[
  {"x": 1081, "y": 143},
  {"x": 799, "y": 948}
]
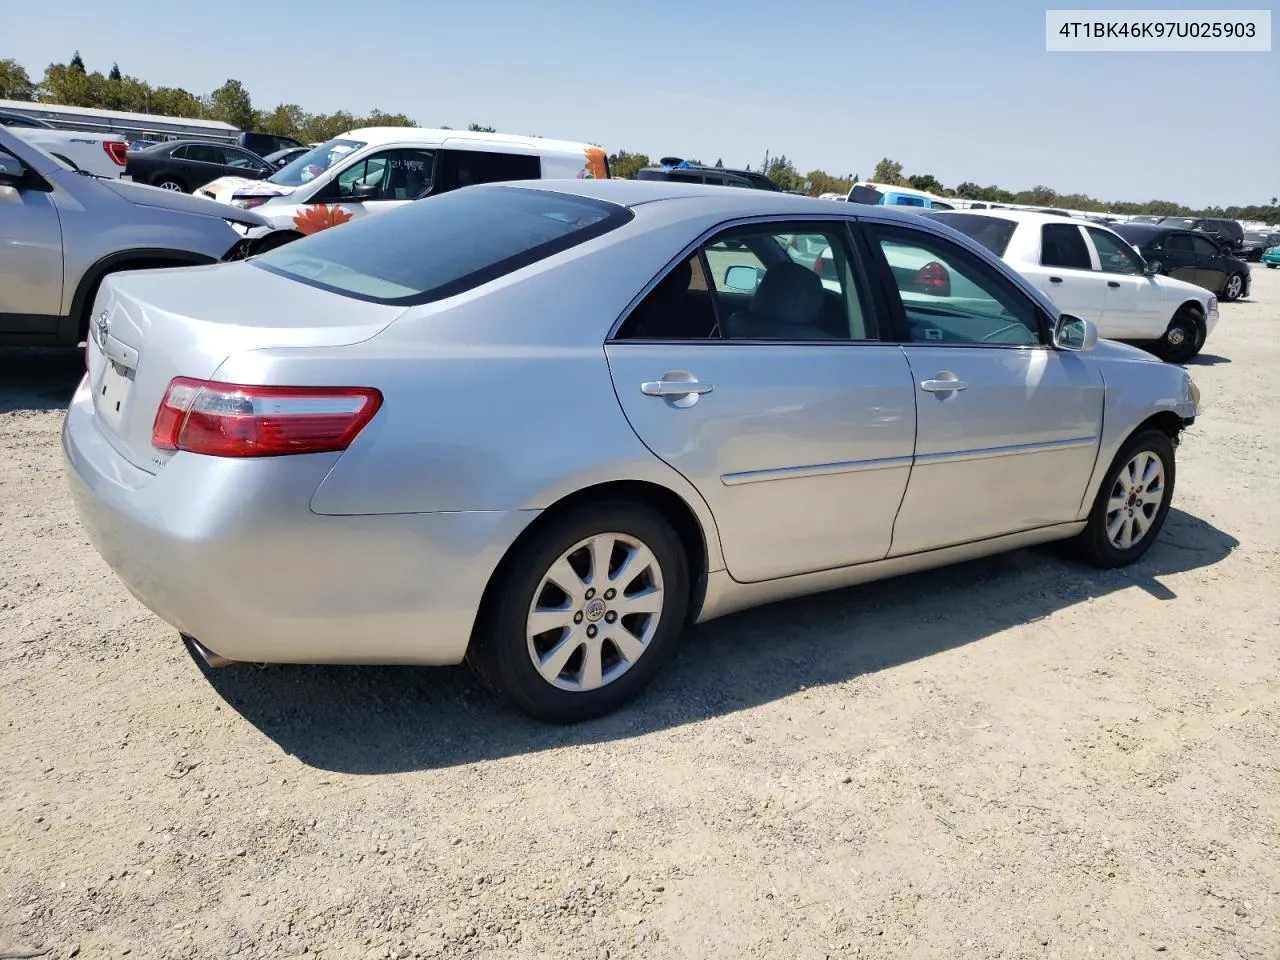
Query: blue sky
[{"x": 962, "y": 90}]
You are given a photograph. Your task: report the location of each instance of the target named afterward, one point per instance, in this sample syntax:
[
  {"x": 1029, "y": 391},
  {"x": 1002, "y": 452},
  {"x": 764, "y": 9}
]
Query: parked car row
[{"x": 272, "y": 454}]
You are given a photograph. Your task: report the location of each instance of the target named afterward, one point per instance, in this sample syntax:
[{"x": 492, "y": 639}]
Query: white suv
[{"x": 1094, "y": 273}]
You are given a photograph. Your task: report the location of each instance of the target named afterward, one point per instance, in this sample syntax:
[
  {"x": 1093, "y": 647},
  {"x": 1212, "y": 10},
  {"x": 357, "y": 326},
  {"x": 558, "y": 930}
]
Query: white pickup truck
[{"x": 103, "y": 155}]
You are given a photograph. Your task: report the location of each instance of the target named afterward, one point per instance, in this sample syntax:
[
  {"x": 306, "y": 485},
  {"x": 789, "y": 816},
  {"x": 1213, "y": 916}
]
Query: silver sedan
[{"x": 541, "y": 428}]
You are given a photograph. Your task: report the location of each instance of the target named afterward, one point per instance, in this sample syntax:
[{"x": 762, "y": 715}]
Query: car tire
[
  {"x": 1184, "y": 337},
  {"x": 1233, "y": 289},
  {"x": 1272, "y": 266},
  {"x": 1122, "y": 505},
  {"x": 608, "y": 647},
  {"x": 171, "y": 183}
]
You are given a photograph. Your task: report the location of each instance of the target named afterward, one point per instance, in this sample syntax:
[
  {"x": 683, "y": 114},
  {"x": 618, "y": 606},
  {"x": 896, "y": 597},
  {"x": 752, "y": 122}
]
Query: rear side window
[
  {"x": 1177, "y": 241},
  {"x": 462, "y": 168},
  {"x": 993, "y": 233},
  {"x": 443, "y": 245},
  {"x": 1061, "y": 245}
]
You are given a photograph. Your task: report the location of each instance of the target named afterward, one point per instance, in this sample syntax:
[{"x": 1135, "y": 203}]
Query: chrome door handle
[
  {"x": 943, "y": 386},
  {"x": 673, "y": 388}
]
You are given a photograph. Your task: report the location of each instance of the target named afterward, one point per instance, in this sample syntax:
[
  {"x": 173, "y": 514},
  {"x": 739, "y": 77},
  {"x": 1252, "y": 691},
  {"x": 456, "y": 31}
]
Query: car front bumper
[{"x": 229, "y": 552}]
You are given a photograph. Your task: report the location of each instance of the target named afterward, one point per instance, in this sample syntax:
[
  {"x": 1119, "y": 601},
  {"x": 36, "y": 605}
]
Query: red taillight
[
  {"x": 932, "y": 278},
  {"x": 238, "y": 420},
  {"x": 117, "y": 151}
]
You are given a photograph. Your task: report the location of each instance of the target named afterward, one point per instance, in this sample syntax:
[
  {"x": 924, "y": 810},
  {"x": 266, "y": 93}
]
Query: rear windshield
[
  {"x": 993, "y": 233},
  {"x": 444, "y": 245},
  {"x": 1185, "y": 223}
]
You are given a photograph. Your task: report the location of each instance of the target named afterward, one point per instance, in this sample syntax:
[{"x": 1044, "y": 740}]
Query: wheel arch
[
  {"x": 144, "y": 258},
  {"x": 670, "y": 505}
]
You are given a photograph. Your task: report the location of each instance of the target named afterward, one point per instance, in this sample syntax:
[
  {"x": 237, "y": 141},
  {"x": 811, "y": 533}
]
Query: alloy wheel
[
  {"x": 595, "y": 612},
  {"x": 1135, "y": 500}
]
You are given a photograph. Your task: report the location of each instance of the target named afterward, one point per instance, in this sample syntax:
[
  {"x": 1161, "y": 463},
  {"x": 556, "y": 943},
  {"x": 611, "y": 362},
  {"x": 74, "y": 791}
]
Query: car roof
[
  {"x": 375, "y": 136},
  {"x": 713, "y": 199}
]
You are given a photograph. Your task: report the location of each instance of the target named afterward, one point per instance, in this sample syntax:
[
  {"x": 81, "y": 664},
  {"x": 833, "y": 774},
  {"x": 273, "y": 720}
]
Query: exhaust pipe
[{"x": 204, "y": 655}]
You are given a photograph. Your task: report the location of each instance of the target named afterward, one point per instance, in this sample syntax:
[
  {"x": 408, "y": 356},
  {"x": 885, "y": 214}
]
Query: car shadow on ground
[
  {"x": 1206, "y": 360},
  {"x": 32, "y": 379},
  {"x": 372, "y": 720}
]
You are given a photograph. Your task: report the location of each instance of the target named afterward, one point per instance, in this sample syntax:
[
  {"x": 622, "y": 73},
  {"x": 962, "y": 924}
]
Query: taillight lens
[
  {"x": 932, "y": 278},
  {"x": 117, "y": 151},
  {"x": 239, "y": 420}
]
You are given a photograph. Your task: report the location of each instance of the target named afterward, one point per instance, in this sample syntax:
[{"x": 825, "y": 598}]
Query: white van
[{"x": 380, "y": 168}]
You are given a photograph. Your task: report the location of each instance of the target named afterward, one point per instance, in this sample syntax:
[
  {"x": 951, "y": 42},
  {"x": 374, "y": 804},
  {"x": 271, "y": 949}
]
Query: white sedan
[{"x": 1090, "y": 271}]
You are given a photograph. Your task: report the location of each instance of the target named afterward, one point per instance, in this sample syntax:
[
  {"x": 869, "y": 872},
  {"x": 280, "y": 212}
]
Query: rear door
[
  {"x": 462, "y": 168},
  {"x": 1135, "y": 307},
  {"x": 1007, "y": 428},
  {"x": 1068, "y": 276},
  {"x": 199, "y": 163},
  {"x": 798, "y": 435}
]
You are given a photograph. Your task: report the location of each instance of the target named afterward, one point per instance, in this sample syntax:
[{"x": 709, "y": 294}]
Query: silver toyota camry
[{"x": 542, "y": 427}]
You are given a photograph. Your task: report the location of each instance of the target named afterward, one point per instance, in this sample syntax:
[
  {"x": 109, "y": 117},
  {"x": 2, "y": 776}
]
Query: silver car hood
[{"x": 147, "y": 196}]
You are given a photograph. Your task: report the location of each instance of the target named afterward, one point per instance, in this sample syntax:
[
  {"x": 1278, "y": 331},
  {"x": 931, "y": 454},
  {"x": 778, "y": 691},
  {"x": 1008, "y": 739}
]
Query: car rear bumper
[{"x": 228, "y": 552}]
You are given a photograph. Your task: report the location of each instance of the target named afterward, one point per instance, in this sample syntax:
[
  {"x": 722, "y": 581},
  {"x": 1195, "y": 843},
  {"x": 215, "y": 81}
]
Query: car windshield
[
  {"x": 443, "y": 245},
  {"x": 1186, "y": 223},
  {"x": 993, "y": 233},
  {"x": 313, "y": 163}
]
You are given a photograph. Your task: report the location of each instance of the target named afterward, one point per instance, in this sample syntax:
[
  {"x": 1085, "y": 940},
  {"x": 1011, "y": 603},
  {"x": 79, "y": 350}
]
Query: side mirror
[
  {"x": 1152, "y": 268},
  {"x": 12, "y": 172},
  {"x": 1074, "y": 334},
  {"x": 364, "y": 191},
  {"x": 743, "y": 278}
]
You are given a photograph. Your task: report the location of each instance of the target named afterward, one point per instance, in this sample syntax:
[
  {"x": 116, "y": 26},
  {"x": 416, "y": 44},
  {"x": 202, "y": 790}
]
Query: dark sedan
[
  {"x": 1189, "y": 255},
  {"x": 185, "y": 165}
]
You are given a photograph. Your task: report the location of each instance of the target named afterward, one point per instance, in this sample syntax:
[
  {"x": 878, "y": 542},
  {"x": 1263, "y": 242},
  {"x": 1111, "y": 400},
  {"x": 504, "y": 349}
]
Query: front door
[
  {"x": 765, "y": 385},
  {"x": 31, "y": 267},
  {"x": 1135, "y": 307},
  {"x": 1211, "y": 264},
  {"x": 375, "y": 183},
  {"x": 1007, "y": 428},
  {"x": 1177, "y": 257}
]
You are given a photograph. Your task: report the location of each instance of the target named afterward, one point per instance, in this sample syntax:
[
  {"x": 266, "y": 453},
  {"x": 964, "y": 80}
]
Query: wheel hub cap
[
  {"x": 1135, "y": 500},
  {"x": 595, "y": 610}
]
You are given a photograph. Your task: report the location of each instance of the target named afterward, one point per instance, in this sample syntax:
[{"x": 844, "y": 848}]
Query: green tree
[
  {"x": 377, "y": 118},
  {"x": 887, "y": 171},
  {"x": 719, "y": 163},
  {"x": 624, "y": 165},
  {"x": 230, "y": 103},
  {"x": 821, "y": 182},
  {"x": 65, "y": 84},
  {"x": 783, "y": 173},
  {"x": 478, "y": 128},
  {"x": 115, "y": 72},
  {"x": 1038, "y": 196},
  {"x": 176, "y": 102},
  {"x": 926, "y": 182},
  {"x": 77, "y": 62},
  {"x": 14, "y": 82}
]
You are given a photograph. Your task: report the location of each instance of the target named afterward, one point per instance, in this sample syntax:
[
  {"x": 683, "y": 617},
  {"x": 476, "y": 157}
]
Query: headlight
[{"x": 1193, "y": 392}]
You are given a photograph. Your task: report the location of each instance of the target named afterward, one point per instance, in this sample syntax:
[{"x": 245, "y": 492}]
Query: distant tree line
[{"x": 72, "y": 84}]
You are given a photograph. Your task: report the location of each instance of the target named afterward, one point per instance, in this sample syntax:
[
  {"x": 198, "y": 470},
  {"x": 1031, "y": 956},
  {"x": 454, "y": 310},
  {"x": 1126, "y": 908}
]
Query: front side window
[
  {"x": 1114, "y": 255},
  {"x": 760, "y": 282},
  {"x": 314, "y": 162},
  {"x": 241, "y": 160},
  {"x": 1178, "y": 242},
  {"x": 1062, "y": 246},
  {"x": 402, "y": 174},
  {"x": 950, "y": 296},
  {"x": 443, "y": 245}
]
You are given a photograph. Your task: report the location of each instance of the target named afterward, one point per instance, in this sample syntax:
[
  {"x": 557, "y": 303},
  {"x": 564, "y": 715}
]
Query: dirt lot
[{"x": 1017, "y": 758}]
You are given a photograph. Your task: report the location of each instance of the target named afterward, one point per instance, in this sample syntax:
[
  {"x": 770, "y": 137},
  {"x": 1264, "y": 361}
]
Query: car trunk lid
[{"x": 147, "y": 327}]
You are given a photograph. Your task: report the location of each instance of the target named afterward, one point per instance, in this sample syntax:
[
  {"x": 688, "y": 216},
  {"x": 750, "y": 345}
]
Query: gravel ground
[{"x": 1020, "y": 757}]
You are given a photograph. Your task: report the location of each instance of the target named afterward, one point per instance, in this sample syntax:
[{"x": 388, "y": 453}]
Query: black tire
[
  {"x": 168, "y": 182},
  {"x": 1272, "y": 266},
  {"x": 500, "y": 653},
  {"x": 1185, "y": 336},
  {"x": 1093, "y": 543},
  {"x": 1233, "y": 288}
]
